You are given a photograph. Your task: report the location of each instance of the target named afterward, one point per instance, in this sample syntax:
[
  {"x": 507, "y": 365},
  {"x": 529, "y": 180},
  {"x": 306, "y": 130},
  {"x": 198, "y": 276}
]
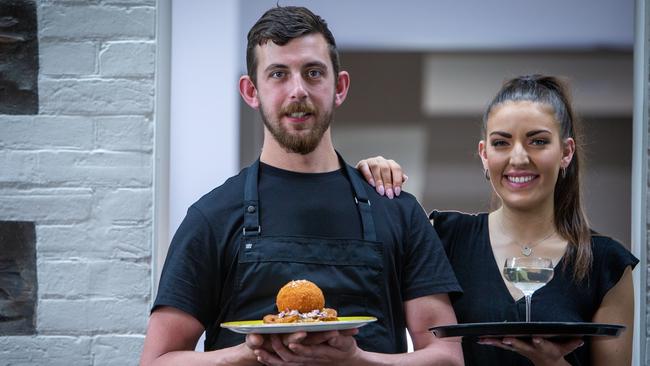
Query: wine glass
[{"x": 528, "y": 274}]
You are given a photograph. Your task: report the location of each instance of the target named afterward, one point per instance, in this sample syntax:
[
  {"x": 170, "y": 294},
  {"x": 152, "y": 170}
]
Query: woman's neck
[{"x": 525, "y": 225}]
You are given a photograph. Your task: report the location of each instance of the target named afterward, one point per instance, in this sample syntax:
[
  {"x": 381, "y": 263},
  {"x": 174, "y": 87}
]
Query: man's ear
[
  {"x": 342, "y": 87},
  {"x": 248, "y": 91}
]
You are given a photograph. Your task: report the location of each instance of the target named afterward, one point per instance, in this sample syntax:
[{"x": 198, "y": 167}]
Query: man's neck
[{"x": 322, "y": 159}]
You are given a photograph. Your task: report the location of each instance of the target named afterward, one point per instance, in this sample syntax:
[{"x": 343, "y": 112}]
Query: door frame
[{"x": 640, "y": 176}]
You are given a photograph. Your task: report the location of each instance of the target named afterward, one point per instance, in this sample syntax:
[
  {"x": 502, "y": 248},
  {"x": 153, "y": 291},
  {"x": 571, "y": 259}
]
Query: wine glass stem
[{"x": 528, "y": 308}]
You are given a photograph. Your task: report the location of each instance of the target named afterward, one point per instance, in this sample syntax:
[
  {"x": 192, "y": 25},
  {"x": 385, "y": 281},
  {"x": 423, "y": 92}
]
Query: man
[{"x": 300, "y": 212}]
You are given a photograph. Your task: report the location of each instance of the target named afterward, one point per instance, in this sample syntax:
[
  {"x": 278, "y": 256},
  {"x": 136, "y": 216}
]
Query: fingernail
[
  {"x": 398, "y": 190},
  {"x": 581, "y": 344},
  {"x": 372, "y": 182},
  {"x": 380, "y": 190},
  {"x": 509, "y": 343},
  {"x": 537, "y": 340},
  {"x": 389, "y": 193}
]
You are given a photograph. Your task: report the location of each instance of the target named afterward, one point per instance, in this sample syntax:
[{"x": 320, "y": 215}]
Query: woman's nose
[{"x": 518, "y": 155}]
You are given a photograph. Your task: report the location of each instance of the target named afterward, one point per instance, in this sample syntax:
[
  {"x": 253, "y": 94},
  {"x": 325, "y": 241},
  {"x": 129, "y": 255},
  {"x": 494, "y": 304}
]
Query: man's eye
[
  {"x": 277, "y": 74},
  {"x": 314, "y": 73}
]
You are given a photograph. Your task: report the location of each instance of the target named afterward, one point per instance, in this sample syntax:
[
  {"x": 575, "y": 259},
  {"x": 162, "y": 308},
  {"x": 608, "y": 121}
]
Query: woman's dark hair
[
  {"x": 569, "y": 214},
  {"x": 282, "y": 24}
]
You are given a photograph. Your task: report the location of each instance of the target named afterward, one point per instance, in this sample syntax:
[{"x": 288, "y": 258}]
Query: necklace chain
[{"x": 527, "y": 248}]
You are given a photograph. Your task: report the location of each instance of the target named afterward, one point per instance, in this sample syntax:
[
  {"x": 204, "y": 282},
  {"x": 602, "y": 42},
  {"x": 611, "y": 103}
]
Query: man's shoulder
[{"x": 227, "y": 196}]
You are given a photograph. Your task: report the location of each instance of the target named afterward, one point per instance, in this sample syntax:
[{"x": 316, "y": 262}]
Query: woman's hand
[
  {"x": 383, "y": 174},
  {"x": 541, "y": 351}
]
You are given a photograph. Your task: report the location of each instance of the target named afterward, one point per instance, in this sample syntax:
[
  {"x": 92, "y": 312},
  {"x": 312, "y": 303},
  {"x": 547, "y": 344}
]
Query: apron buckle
[
  {"x": 363, "y": 200},
  {"x": 252, "y": 231}
]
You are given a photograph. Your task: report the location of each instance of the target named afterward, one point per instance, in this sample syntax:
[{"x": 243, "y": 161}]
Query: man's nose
[{"x": 298, "y": 90}]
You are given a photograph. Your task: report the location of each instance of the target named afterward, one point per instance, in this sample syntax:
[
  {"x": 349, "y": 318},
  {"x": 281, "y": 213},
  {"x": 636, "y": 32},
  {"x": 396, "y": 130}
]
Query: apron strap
[
  {"x": 251, "y": 202},
  {"x": 362, "y": 201}
]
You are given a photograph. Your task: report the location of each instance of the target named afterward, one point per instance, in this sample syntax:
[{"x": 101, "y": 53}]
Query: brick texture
[
  {"x": 96, "y": 96},
  {"x": 68, "y": 58},
  {"x": 40, "y": 350},
  {"x": 82, "y": 171},
  {"x": 92, "y": 316},
  {"x": 92, "y": 21},
  {"x": 123, "y": 59},
  {"x": 46, "y": 132},
  {"x": 116, "y": 350}
]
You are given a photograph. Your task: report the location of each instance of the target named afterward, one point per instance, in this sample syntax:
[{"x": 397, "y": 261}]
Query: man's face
[{"x": 296, "y": 89}]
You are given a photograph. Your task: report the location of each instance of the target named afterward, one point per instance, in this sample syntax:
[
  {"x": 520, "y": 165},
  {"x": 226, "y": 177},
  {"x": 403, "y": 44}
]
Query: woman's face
[{"x": 523, "y": 152}]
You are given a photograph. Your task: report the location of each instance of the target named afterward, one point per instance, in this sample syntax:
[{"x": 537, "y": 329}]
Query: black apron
[{"x": 349, "y": 271}]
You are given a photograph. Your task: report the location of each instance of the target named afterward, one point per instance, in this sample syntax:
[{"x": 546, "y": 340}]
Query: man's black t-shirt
[
  {"x": 321, "y": 204},
  {"x": 198, "y": 270}
]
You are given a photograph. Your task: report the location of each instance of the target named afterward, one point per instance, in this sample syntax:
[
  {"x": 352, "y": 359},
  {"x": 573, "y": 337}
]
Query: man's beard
[{"x": 291, "y": 142}]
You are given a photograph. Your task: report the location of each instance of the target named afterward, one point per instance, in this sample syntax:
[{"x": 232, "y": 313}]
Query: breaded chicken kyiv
[{"x": 301, "y": 301}]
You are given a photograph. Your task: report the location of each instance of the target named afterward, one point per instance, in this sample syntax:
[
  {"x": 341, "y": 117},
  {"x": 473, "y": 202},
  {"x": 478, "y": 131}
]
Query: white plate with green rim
[{"x": 258, "y": 326}]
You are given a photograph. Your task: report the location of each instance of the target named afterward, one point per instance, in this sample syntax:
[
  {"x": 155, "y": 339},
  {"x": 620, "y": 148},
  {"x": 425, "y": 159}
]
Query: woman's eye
[
  {"x": 498, "y": 143},
  {"x": 539, "y": 142}
]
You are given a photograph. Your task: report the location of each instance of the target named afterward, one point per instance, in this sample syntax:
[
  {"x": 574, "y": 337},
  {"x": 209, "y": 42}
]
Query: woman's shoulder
[
  {"x": 602, "y": 244},
  {"x": 454, "y": 220},
  {"x": 610, "y": 260},
  {"x": 451, "y": 215},
  {"x": 607, "y": 249}
]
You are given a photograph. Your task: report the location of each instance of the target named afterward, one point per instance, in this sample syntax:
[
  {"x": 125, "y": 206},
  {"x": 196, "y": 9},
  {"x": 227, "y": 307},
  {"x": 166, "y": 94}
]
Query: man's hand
[{"x": 317, "y": 348}]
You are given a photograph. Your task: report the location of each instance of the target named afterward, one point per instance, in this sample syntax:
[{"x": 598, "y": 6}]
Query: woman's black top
[{"x": 486, "y": 298}]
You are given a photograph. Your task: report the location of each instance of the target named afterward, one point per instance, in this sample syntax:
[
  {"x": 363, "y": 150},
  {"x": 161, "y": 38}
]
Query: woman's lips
[{"x": 520, "y": 181}]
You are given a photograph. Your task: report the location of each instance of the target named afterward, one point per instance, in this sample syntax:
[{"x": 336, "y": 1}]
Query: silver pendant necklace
[{"x": 527, "y": 248}]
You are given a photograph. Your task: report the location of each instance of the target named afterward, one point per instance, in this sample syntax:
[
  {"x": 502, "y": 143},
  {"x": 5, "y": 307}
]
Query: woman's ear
[
  {"x": 483, "y": 154},
  {"x": 248, "y": 91},
  {"x": 568, "y": 149}
]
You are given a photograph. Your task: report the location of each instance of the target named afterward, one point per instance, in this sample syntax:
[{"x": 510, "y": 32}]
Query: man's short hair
[{"x": 282, "y": 24}]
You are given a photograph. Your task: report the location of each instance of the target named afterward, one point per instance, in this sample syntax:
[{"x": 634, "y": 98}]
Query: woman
[{"x": 531, "y": 157}]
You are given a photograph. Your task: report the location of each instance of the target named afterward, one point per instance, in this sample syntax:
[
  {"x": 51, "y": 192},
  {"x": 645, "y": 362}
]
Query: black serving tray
[{"x": 473, "y": 331}]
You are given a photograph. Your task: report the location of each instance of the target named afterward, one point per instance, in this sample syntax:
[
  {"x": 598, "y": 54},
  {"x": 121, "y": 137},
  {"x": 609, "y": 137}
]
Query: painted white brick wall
[
  {"x": 82, "y": 170},
  {"x": 68, "y": 58},
  {"x": 127, "y": 59}
]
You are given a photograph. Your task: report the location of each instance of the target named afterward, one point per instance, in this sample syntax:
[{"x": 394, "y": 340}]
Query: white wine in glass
[{"x": 528, "y": 274}]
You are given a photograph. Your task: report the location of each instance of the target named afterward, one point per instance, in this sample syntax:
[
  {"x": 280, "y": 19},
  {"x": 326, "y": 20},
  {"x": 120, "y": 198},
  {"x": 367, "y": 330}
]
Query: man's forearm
[{"x": 235, "y": 356}]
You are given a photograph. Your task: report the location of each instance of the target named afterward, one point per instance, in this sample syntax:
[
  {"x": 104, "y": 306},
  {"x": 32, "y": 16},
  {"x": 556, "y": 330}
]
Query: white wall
[
  {"x": 204, "y": 100},
  {"x": 467, "y": 24}
]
